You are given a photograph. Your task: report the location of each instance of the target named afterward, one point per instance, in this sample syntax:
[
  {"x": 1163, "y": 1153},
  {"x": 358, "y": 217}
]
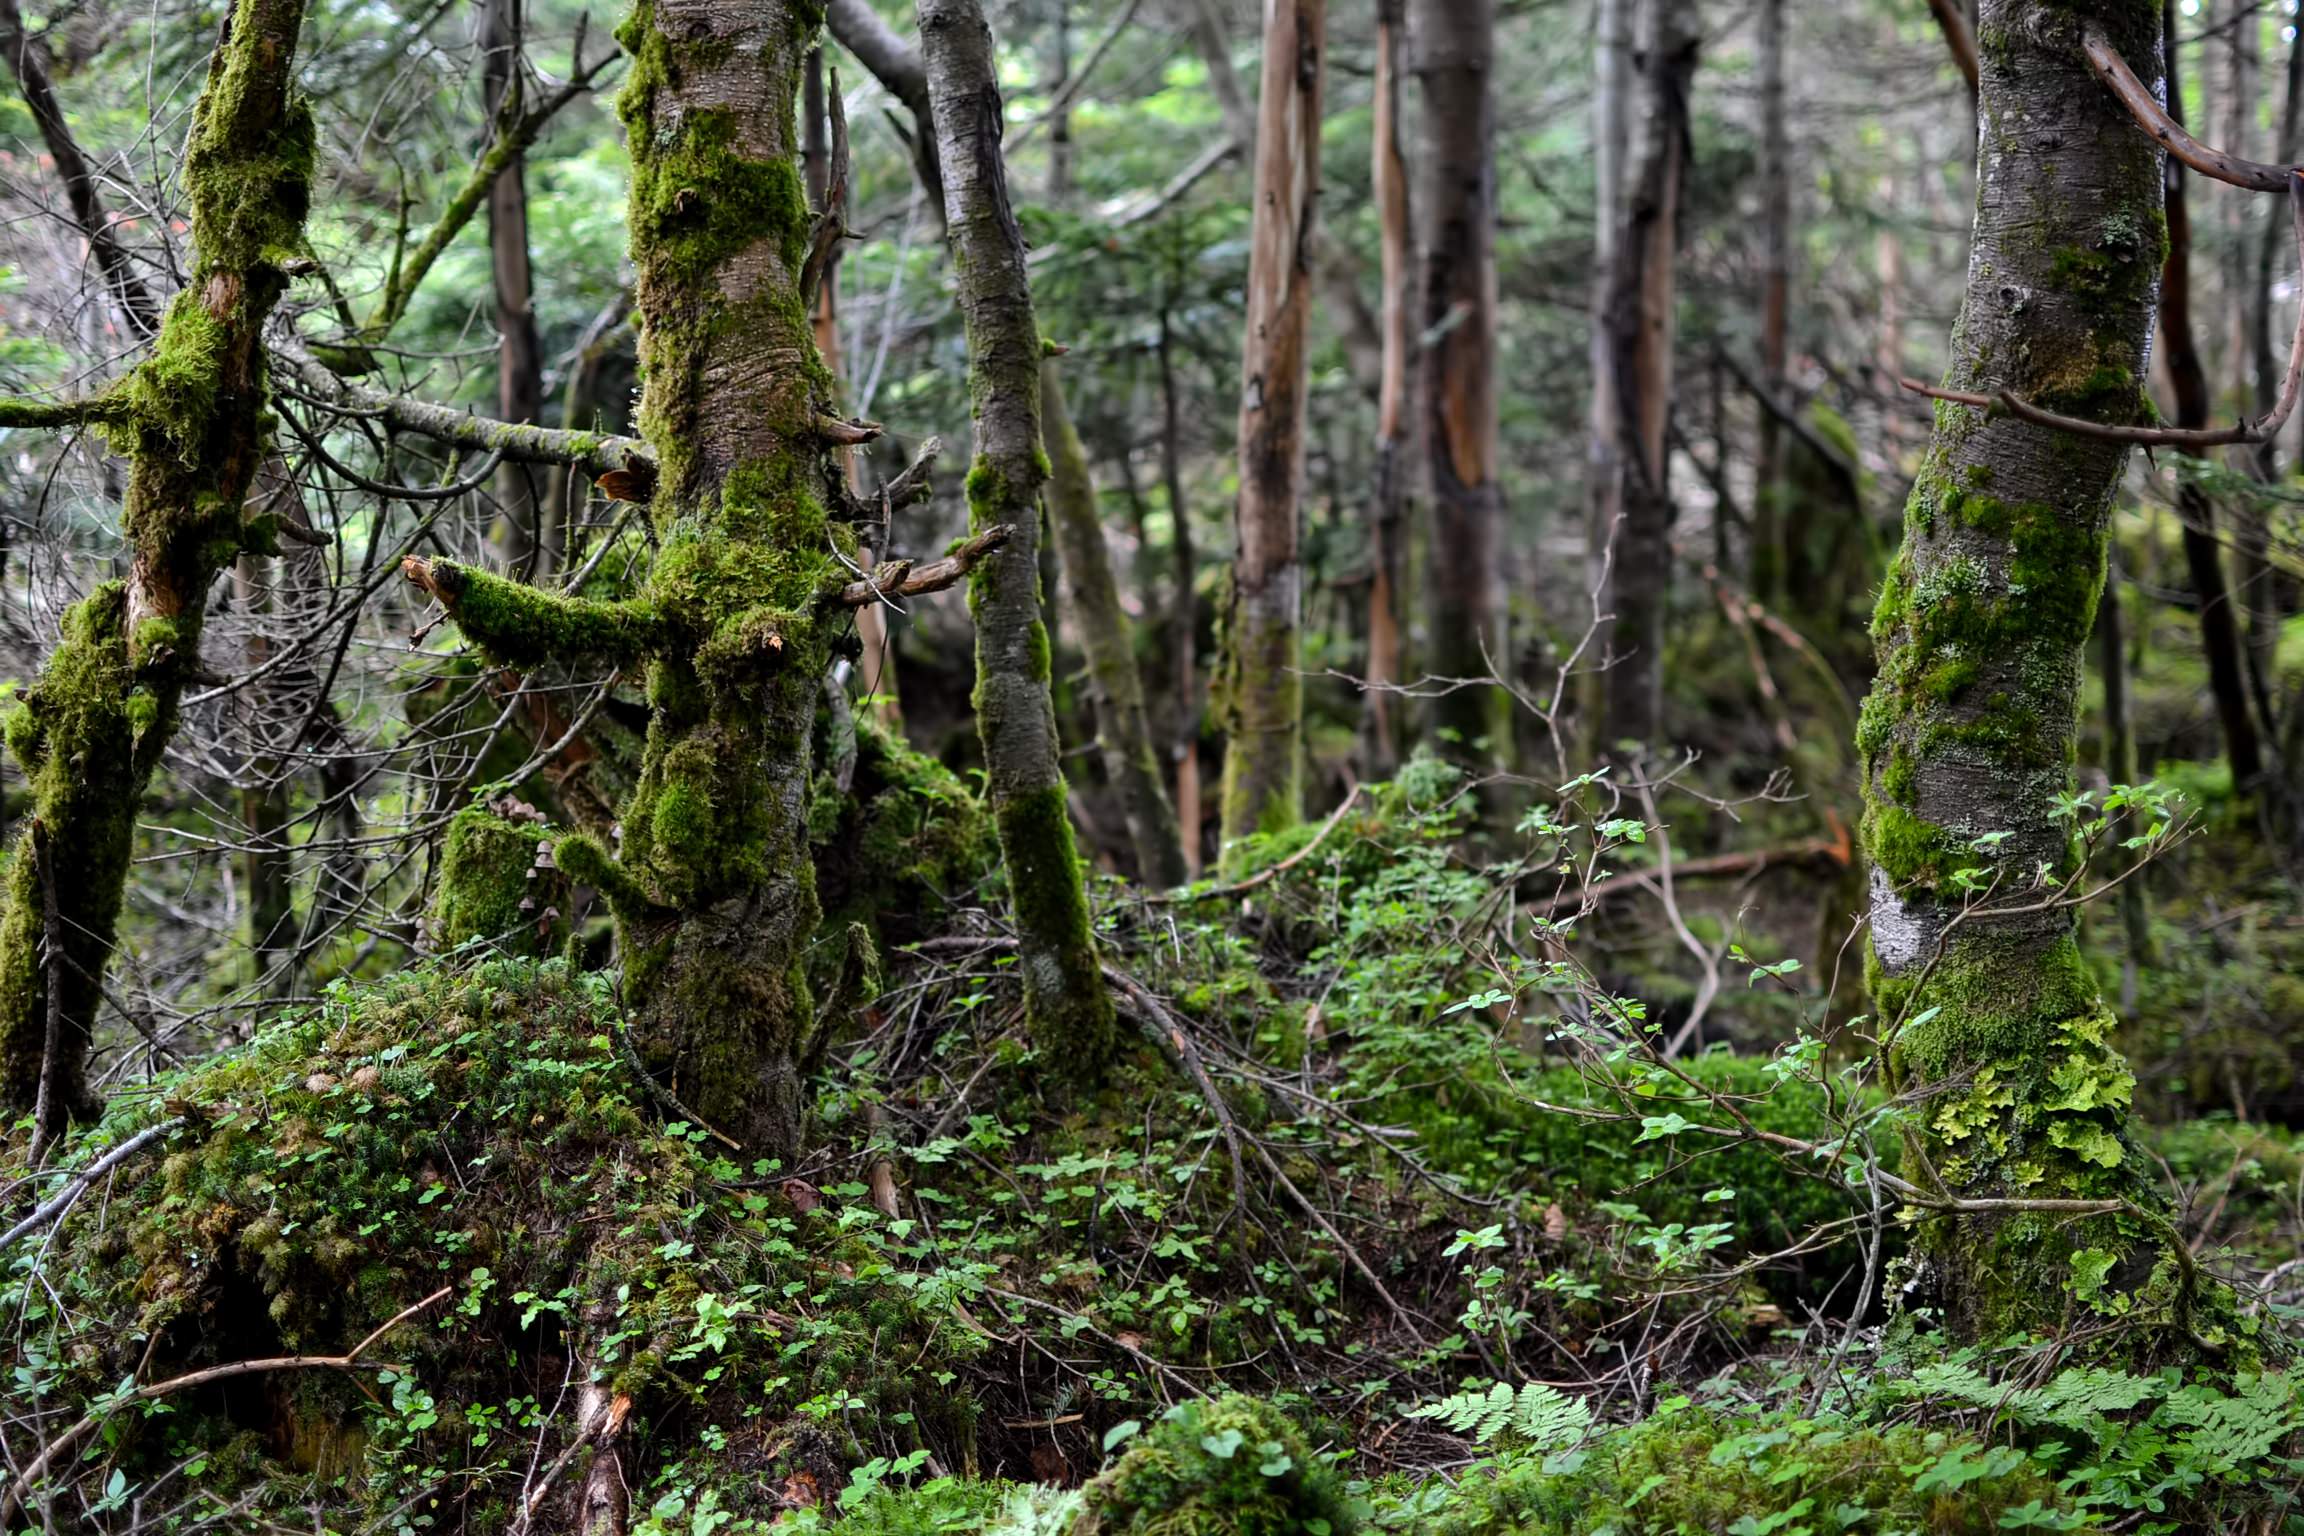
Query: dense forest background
[{"x": 1146, "y": 765}]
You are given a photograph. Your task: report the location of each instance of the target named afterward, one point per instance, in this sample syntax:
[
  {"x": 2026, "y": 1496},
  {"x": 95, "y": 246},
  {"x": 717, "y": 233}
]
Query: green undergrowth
[{"x": 475, "y": 1133}]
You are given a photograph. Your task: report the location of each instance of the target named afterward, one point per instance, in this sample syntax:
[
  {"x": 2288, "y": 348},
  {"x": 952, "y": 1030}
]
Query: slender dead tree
[
  {"x": 1123, "y": 726},
  {"x": 1452, "y": 53},
  {"x": 2220, "y": 639},
  {"x": 1066, "y": 1005},
  {"x": 91, "y": 731},
  {"x": 1986, "y": 1004},
  {"x": 1634, "y": 513},
  {"x": 1260, "y": 693},
  {"x": 1387, "y": 534},
  {"x": 1768, "y": 561},
  {"x": 530, "y": 535}
]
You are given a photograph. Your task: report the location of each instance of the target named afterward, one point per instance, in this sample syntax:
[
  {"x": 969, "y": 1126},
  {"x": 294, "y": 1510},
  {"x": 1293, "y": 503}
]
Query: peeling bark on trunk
[
  {"x": 1635, "y": 515},
  {"x": 1123, "y": 729},
  {"x": 91, "y": 731},
  {"x": 1969, "y": 731},
  {"x": 1394, "y": 442},
  {"x": 1260, "y": 694},
  {"x": 1452, "y": 47},
  {"x": 530, "y": 538},
  {"x": 1066, "y": 1005}
]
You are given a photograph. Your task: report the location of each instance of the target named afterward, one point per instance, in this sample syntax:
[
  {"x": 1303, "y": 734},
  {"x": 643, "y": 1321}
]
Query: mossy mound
[
  {"x": 1232, "y": 1467},
  {"x": 470, "y": 1144},
  {"x": 1689, "y": 1469}
]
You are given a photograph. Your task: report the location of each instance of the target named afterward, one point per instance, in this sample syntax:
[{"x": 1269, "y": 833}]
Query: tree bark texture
[
  {"x": 1260, "y": 694},
  {"x": 1387, "y": 534},
  {"x": 1066, "y": 1006},
  {"x": 1768, "y": 559},
  {"x": 714, "y": 888},
  {"x": 1452, "y": 52},
  {"x": 529, "y": 537},
  {"x": 91, "y": 731},
  {"x": 2220, "y": 639},
  {"x": 1123, "y": 726},
  {"x": 1967, "y": 738},
  {"x": 1636, "y": 512}
]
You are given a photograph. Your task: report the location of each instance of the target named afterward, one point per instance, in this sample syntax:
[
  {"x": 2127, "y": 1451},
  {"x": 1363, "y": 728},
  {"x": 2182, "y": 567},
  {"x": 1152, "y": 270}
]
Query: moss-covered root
[
  {"x": 1232, "y": 1467},
  {"x": 1123, "y": 728},
  {"x": 1967, "y": 737},
  {"x": 92, "y": 729},
  {"x": 1068, "y": 1011}
]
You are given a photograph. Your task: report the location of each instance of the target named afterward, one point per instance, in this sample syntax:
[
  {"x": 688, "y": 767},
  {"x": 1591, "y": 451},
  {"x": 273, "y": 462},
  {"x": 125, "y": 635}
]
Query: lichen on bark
[{"x": 1967, "y": 738}]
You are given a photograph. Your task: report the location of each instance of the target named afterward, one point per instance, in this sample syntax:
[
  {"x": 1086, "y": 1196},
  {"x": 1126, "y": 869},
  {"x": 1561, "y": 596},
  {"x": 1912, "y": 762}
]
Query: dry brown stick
[
  {"x": 1957, "y": 38},
  {"x": 348, "y": 1361},
  {"x": 901, "y": 578},
  {"x": 1262, "y": 876},
  {"x": 1164, "y": 1026},
  {"x": 2144, "y": 105}
]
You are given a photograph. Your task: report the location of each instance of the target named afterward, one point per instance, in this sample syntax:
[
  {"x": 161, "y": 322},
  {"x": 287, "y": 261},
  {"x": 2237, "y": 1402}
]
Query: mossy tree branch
[
  {"x": 514, "y": 133},
  {"x": 522, "y": 626}
]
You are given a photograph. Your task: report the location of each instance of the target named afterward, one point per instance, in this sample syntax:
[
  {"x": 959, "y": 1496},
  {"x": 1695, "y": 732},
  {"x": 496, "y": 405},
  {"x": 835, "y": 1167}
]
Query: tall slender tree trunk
[
  {"x": 1641, "y": 300},
  {"x": 1184, "y": 620},
  {"x": 1260, "y": 693},
  {"x": 2203, "y": 552},
  {"x": 1388, "y": 176},
  {"x": 2120, "y": 764},
  {"x": 1987, "y": 1006},
  {"x": 1452, "y": 48},
  {"x": 1123, "y": 728},
  {"x": 1768, "y": 560},
  {"x": 1066, "y": 1005},
  {"x": 531, "y": 538},
  {"x": 1611, "y": 134},
  {"x": 91, "y": 731}
]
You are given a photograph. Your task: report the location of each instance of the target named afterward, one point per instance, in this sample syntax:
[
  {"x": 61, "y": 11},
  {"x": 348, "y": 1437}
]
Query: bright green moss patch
[
  {"x": 1688, "y": 1469},
  {"x": 521, "y": 626},
  {"x": 1232, "y": 1467},
  {"x": 499, "y": 886}
]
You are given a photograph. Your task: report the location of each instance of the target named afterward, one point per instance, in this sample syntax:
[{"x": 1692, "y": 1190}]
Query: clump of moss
[
  {"x": 499, "y": 884},
  {"x": 1692, "y": 1469},
  {"x": 1233, "y": 1467},
  {"x": 478, "y": 1132}
]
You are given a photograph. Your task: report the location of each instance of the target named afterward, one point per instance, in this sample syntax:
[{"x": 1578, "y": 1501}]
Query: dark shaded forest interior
[{"x": 1152, "y": 767}]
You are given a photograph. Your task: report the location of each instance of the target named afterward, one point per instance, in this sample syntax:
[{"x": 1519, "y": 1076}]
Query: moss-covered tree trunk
[
  {"x": 92, "y": 729},
  {"x": 1123, "y": 726},
  {"x": 1452, "y": 52},
  {"x": 713, "y": 888},
  {"x": 1967, "y": 738},
  {"x": 1260, "y": 692},
  {"x": 1069, "y": 1012}
]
